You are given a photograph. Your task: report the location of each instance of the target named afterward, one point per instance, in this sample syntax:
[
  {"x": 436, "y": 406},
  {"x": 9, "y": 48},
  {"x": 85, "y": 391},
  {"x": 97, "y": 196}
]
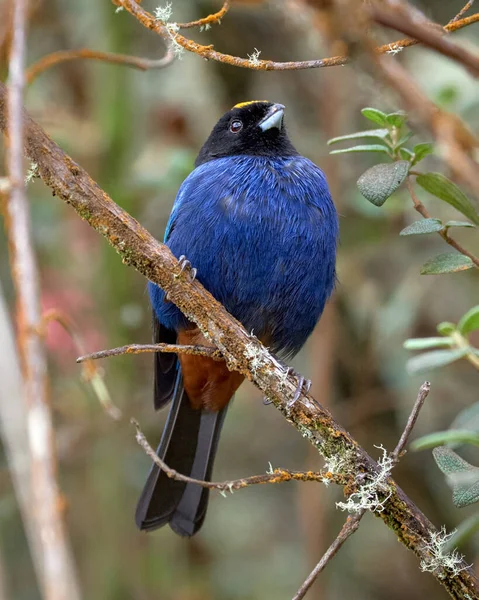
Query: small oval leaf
[
  {"x": 370, "y": 133},
  {"x": 430, "y": 342},
  {"x": 434, "y": 360},
  {"x": 446, "y": 328},
  {"x": 450, "y": 262},
  {"x": 449, "y": 461},
  {"x": 405, "y": 138},
  {"x": 458, "y": 224},
  {"x": 422, "y": 150},
  {"x": 421, "y": 227},
  {"x": 470, "y": 321},
  {"x": 465, "y": 488},
  {"x": 452, "y": 436},
  {"x": 461, "y": 476},
  {"x": 363, "y": 148},
  {"x": 375, "y": 115},
  {"x": 441, "y": 187},
  {"x": 380, "y": 181},
  {"x": 467, "y": 419},
  {"x": 396, "y": 119},
  {"x": 406, "y": 154}
]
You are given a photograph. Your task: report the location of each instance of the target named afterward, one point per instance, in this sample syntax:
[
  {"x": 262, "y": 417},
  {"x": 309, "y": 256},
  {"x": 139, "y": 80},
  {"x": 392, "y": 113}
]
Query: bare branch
[
  {"x": 141, "y": 348},
  {"x": 462, "y": 12},
  {"x": 351, "y": 525},
  {"x": 209, "y": 20},
  {"x": 150, "y": 22},
  {"x": 55, "y": 58},
  {"x": 421, "y": 397},
  {"x": 427, "y": 35},
  {"x": 57, "y": 566},
  {"x": 241, "y": 351},
  {"x": 275, "y": 476}
]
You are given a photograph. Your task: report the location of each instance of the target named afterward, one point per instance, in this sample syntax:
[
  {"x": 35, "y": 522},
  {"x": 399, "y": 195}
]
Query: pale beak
[{"x": 274, "y": 118}]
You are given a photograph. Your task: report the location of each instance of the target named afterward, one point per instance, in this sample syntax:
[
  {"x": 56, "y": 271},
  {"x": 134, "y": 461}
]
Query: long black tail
[{"x": 188, "y": 445}]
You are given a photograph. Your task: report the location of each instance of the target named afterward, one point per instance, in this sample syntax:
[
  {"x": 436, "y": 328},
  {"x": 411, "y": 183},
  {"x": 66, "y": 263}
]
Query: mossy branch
[{"x": 242, "y": 351}]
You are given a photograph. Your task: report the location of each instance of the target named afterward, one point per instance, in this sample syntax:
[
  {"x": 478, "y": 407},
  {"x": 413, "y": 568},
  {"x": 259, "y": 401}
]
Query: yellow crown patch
[{"x": 241, "y": 104}]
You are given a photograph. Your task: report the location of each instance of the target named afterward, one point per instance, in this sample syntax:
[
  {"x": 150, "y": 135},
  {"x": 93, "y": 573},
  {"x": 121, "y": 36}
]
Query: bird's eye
[{"x": 236, "y": 126}]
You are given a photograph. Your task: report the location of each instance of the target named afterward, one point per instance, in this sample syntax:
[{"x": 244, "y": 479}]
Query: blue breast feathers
[{"x": 262, "y": 233}]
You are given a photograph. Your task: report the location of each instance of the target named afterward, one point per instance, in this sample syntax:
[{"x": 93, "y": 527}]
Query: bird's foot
[
  {"x": 185, "y": 266},
  {"x": 304, "y": 385}
]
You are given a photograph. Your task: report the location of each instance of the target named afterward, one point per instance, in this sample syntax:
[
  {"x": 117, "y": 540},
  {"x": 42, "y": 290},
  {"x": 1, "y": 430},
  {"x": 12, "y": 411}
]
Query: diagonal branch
[
  {"x": 347, "y": 530},
  {"x": 168, "y": 31},
  {"x": 242, "y": 352},
  {"x": 427, "y": 35},
  {"x": 421, "y": 397},
  {"x": 136, "y": 62}
]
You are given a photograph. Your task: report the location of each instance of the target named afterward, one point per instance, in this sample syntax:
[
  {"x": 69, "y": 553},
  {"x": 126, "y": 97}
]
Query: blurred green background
[{"x": 137, "y": 133}]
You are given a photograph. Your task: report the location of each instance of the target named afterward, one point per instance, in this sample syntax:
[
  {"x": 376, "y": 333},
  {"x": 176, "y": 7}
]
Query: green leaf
[
  {"x": 467, "y": 419},
  {"x": 370, "y": 133},
  {"x": 396, "y": 119},
  {"x": 363, "y": 148},
  {"x": 441, "y": 187},
  {"x": 422, "y": 150},
  {"x": 470, "y": 321},
  {"x": 450, "y": 462},
  {"x": 461, "y": 476},
  {"x": 424, "y": 226},
  {"x": 430, "y": 342},
  {"x": 446, "y": 328},
  {"x": 406, "y": 137},
  {"x": 434, "y": 359},
  {"x": 463, "y": 533},
  {"x": 380, "y": 181},
  {"x": 458, "y": 224},
  {"x": 440, "y": 438},
  {"x": 406, "y": 154},
  {"x": 450, "y": 262},
  {"x": 375, "y": 115}
]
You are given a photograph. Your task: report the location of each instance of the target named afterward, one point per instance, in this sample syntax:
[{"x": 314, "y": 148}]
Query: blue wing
[{"x": 262, "y": 233}]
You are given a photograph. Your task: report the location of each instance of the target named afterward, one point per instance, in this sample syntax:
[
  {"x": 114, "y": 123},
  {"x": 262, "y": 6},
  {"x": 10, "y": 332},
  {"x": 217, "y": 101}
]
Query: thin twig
[
  {"x": 349, "y": 527},
  {"x": 62, "y": 56},
  {"x": 209, "y": 20},
  {"x": 90, "y": 373},
  {"x": 213, "y": 353},
  {"x": 274, "y": 476},
  {"x": 429, "y": 36},
  {"x": 150, "y": 22},
  {"x": 422, "y": 210},
  {"x": 421, "y": 397},
  {"x": 241, "y": 351},
  {"x": 352, "y": 523},
  {"x": 462, "y": 12},
  {"x": 59, "y": 579}
]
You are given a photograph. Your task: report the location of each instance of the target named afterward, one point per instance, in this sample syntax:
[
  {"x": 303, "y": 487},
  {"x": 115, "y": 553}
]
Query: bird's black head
[{"x": 254, "y": 128}]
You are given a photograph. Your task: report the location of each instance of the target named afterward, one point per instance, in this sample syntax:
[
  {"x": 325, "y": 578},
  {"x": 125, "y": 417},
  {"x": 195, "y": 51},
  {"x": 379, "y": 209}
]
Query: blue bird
[{"x": 256, "y": 220}]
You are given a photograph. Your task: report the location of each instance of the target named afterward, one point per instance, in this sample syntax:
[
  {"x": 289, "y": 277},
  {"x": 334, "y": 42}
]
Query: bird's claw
[
  {"x": 304, "y": 385},
  {"x": 185, "y": 265}
]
